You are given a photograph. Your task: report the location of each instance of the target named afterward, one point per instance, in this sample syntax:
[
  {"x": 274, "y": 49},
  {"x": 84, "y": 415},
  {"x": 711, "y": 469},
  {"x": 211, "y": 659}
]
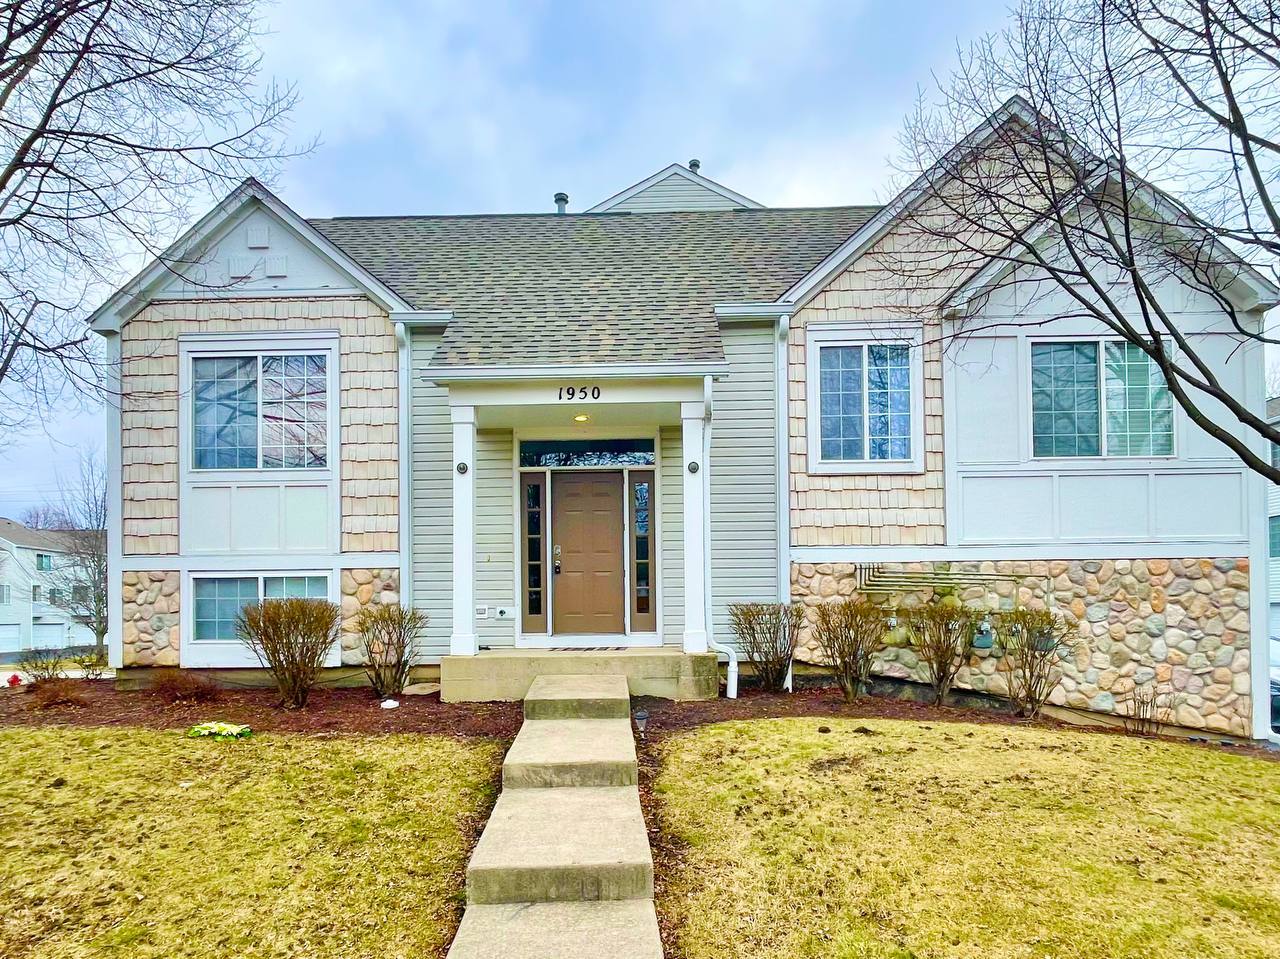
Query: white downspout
[
  {"x": 731, "y": 677},
  {"x": 783, "y": 483}
]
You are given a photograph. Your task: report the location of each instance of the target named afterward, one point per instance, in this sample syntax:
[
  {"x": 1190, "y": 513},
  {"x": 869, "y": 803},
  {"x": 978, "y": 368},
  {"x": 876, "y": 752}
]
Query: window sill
[{"x": 865, "y": 467}]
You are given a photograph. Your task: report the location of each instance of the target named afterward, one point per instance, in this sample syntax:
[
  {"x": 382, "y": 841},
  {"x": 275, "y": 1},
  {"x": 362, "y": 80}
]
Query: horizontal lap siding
[
  {"x": 674, "y": 193},
  {"x": 495, "y": 535},
  {"x": 432, "y": 519},
  {"x": 670, "y": 496},
  {"x": 744, "y": 477}
]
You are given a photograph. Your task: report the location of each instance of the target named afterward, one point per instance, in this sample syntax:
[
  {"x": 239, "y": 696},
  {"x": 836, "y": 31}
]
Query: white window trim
[
  {"x": 1104, "y": 453},
  {"x": 208, "y": 346},
  {"x": 223, "y": 653},
  {"x": 862, "y": 334}
]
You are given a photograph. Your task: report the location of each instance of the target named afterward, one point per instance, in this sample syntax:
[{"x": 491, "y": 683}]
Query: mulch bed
[{"x": 329, "y": 711}]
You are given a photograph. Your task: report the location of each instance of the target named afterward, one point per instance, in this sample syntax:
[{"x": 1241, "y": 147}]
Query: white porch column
[
  {"x": 463, "y": 640},
  {"x": 693, "y": 427}
]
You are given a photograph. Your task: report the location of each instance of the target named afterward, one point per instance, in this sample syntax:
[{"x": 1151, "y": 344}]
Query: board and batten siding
[
  {"x": 671, "y": 532},
  {"x": 495, "y": 536},
  {"x": 744, "y": 476},
  {"x": 432, "y": 507},
  {"x": 674, "y": 193}
]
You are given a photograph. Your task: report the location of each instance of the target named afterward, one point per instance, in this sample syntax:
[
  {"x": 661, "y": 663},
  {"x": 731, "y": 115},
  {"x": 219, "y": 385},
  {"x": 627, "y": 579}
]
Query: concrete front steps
[
  {"x": 504, "y": 675},
  {"x": 563, "y": 868}
]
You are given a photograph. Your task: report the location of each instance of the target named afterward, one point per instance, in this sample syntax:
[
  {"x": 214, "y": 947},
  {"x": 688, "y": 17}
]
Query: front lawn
[
  {"x": 138, "y": 843},
  {"x": 892, "y": 839}
]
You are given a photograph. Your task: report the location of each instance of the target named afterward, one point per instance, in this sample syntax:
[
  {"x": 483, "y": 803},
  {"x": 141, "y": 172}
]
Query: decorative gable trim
[
  {"x": 675, "y": 169},
  {"x": 130, "y": 299}
]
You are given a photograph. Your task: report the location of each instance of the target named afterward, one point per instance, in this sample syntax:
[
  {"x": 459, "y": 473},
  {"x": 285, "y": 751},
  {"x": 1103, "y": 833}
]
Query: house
[
  {"x": 33, "y": 614},
  {"x": 575, "y": 439}
]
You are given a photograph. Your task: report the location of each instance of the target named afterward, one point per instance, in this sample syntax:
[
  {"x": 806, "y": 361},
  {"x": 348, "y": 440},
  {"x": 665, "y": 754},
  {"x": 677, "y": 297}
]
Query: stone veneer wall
[
  {"x": 150, "y": 614},
  {"x": 361, "y": 588},
  {"x": 1178, "y": 626}
]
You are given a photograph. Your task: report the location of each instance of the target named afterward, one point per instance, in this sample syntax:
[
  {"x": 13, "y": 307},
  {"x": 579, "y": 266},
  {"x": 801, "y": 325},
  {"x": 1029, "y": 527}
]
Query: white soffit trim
[
  {"x": 738, "y": 312},
  {"x": 452, "y": 374},
  {"x": 422, "y": 318},
  {"x": 678, "y": 169},
  {"x": 130, "y": 298}
]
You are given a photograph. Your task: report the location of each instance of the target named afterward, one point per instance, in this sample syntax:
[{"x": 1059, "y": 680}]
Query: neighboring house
[
  {"x": 32, "y": 562},
  {"x": 591, "y": 431}
]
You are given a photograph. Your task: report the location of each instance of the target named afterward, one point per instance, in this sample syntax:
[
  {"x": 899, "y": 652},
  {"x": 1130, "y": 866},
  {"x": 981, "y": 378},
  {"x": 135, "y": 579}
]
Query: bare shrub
[
  {"x": 42, "y": 665},
  {"x": 290, "y": 638},
  {"x": 390, "y": 635},
  {"x": 1149, "y": 709},
  {"x": 92, "y": 665},
  {"x": 185, "y": 687},
  {"x": 767, "y": 635},
  {"x": 49, "y": 693},
  {"x": 849, "y": 633},
  {"x": 1035, "y": 641},
  {"x": 942, "y": 635}
]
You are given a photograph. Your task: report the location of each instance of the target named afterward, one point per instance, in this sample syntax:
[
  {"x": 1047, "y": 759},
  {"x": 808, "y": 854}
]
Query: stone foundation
[
  {"x": 1178, "y": 628},
  {"x": 150, "y": 616},
  {"x": 361, "y": 588}
]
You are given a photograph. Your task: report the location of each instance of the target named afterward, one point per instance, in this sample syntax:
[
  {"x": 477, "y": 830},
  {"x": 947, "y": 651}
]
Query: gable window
[
  {"x": 260, "y": 411},
  {"x": 6, "y": 594},
  {"x": 44, "y": 562},
  {"x": 866, "y": 393},
  {"x": 1098, "y": 398},
  {"x": 219, "y": 599}
]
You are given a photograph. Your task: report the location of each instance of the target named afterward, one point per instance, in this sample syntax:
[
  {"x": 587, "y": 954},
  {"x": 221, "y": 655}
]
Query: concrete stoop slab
[
  {"x": 571, "y": 752},
  {"x": 578, "y": 697},
  {"x": 562, "y": 845},
  {"x": 625, "y": 929}
]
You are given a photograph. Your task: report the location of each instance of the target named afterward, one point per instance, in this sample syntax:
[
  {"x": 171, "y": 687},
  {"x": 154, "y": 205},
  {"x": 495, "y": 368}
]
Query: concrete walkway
[{"x": 563, "y": 868}]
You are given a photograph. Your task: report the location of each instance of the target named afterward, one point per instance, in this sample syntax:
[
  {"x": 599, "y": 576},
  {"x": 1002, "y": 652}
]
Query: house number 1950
[{"x": 579, "y": 393}]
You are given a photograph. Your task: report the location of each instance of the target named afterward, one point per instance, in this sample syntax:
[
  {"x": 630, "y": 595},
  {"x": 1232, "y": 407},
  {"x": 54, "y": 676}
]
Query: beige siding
[
  {"x": 495, "y": 535},
  {"x": 671, "y": 531},
  {"x": 674, "y": 192},
  {"x": 744, "y": 477},
  {"x": 367, "y": 418},
  {"x": 873, "y": 509},
  {"x": 432, "y": 510}
]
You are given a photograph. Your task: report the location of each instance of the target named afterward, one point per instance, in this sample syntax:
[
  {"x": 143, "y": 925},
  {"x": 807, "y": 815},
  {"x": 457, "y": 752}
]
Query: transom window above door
[
  {"x": 1098, "y": 398},
  {"x": 260, "y": 411},
  {"x": 865, "y": 407},
  {"x": 579, "y": 453}
]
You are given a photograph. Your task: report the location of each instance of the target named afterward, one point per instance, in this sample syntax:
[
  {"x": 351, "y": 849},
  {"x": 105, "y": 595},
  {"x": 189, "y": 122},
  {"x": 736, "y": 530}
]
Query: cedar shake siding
[{"x": 367, "y": 416}]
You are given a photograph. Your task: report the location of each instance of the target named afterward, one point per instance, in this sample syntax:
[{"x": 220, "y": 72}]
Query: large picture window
[
  {"x": 218, "y": 600},
  {"x": 1091, "y": 398},
  {"x": 865, "y": 395},
  {"x": 262, "y": 411}
]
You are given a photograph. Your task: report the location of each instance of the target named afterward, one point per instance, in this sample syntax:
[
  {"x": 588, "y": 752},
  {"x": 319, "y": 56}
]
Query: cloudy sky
[{"x": 473, "y": 106}]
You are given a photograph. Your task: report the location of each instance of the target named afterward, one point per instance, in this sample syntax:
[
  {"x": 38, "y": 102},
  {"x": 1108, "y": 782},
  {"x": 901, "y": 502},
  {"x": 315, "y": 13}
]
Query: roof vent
[
  {"x": 695, "y": 166},
  {"x": 562, "y": 201}
]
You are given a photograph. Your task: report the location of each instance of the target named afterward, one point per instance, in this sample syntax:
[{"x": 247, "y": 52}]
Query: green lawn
[
  {"x": 139, "y": 844},
  {"x": 898, "y": 839}
]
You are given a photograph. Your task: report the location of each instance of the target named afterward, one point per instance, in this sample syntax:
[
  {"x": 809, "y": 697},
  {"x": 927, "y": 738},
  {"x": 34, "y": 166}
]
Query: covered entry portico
[{"x": 599, "y": 521}]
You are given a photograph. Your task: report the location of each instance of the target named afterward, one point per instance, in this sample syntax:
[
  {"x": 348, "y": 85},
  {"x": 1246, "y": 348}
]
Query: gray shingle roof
[{"x": 532, "y": 290}]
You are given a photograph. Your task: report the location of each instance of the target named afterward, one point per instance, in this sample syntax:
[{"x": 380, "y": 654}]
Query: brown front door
[{"x": 586, "y": 530}]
